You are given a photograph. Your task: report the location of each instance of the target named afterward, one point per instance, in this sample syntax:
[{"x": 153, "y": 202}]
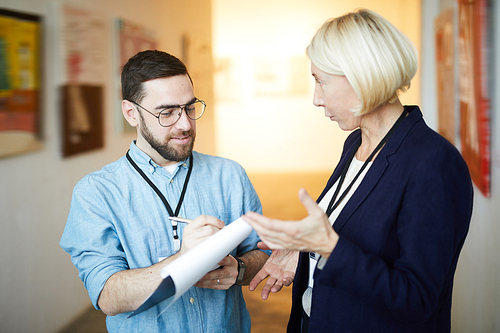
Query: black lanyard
[
  {"x": 333, "y": 205},
  {"x": 163, "y": 199}
]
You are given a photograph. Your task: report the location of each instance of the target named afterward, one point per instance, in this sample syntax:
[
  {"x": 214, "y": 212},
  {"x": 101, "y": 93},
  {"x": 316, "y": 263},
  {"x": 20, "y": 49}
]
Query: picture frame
[
  {"x": 474, "y": 99},
  {"x": 20, "y": 82}
]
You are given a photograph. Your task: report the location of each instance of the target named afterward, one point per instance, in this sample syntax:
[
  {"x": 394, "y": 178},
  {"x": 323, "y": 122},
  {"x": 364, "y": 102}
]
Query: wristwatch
[{"x": 241, "y": 270}]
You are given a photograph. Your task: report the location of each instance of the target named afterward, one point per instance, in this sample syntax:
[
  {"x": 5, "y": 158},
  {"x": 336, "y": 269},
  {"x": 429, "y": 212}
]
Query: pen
[{"x": 179, "y": 219}]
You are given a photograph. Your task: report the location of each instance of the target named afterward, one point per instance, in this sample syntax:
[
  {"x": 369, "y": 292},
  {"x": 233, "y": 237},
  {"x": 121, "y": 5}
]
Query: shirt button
[
  {"x": 151, "y": 169},
  {"x": 183, "y": 164},
  {"x": 191, "y": 300},
  {"x": 171, "y": 181}
]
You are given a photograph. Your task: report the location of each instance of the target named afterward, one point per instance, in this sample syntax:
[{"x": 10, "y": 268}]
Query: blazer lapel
[
  {"x": 378, "y": 168},
  {"x": 349, "y": 144},
  {"x": 365, "y": 188}
]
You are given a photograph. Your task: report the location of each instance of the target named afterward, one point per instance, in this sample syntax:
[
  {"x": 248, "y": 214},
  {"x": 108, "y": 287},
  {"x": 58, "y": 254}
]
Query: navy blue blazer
[{"x": 400, "y": 237}]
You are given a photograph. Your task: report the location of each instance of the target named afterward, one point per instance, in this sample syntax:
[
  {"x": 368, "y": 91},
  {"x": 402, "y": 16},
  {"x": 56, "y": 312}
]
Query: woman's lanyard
[
  {"x": 333, "y": 205},
  {"x": 163, "y": 199}
]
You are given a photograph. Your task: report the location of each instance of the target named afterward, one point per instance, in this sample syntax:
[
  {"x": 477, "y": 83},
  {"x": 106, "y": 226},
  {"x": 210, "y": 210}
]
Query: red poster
[{"x": 473, "y": 90}]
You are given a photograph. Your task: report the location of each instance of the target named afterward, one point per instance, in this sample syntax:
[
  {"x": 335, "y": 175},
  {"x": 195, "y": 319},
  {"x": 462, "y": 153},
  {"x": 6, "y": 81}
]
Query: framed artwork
[
  {"x": 131, "y": 39},
  {"x": 197, "y": 55},
  {"x": 20, "y": 75},
  {"x": 445, "y": 74},
  {"x": 473, "y": 90},
  {"x": 83, "y": 51},
  {"x": 82, "y": 118}
]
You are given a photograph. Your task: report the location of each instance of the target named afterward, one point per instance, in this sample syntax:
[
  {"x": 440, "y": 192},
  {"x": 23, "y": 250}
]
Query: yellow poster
[{"x": 19, "y": 82}]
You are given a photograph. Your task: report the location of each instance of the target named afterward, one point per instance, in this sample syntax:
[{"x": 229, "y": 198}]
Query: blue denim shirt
[{"x": 117, "y": 222}]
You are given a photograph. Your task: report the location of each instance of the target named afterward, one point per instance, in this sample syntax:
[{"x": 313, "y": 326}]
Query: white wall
[
  {"x": 265, "y": 117},
  {"x": 476, "y": 298},
  {"x": 39, "y": 287}
]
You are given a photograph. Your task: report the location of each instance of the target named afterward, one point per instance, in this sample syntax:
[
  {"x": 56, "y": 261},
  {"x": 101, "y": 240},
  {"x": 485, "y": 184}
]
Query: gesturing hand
[
  {"x": 313, "y": 233},
  {"x": 280, "y": 267}
]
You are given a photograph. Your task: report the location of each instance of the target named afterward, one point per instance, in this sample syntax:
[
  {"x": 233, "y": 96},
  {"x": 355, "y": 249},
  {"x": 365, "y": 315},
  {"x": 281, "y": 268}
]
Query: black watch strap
[{"x": 241, "y": 270}]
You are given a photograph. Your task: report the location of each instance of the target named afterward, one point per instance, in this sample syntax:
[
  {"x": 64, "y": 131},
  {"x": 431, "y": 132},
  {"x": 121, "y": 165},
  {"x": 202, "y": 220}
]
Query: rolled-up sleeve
[{"x": 91, "y": 239}]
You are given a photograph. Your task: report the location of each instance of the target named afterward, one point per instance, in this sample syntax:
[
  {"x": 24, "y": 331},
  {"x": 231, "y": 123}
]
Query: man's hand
[
  {"x": 198, "y": 230},
  {"x": 280, "y": 267},
  {"x": 126, "y": 290},
  {"x": 221, "y": 278}
]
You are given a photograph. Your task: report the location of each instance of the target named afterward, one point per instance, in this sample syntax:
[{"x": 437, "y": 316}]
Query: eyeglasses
[{"x": 169, "y": 116}]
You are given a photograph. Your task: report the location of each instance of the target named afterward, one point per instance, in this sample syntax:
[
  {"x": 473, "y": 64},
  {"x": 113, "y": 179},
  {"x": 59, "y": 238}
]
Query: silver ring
[{"x": 218, "y": 281}]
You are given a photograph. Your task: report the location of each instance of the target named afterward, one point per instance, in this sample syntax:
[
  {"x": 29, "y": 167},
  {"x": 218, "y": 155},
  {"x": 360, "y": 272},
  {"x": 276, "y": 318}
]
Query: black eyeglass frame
[{"x": 181, "y": 107}]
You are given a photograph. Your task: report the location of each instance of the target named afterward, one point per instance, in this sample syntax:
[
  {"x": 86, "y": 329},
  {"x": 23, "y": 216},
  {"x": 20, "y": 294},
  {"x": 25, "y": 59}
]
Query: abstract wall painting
[
  {"x": 84, "y": 59},
  {"x": 131, "y": 38},
  {"x": 445, "y": 74},
  {"x": 20, "y": 76},
  {"x": 473, "y": 49}
]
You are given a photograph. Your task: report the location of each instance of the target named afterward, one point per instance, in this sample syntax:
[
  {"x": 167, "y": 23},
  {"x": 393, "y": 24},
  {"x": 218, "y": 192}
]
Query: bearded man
[{"x": 118, "y": 232}]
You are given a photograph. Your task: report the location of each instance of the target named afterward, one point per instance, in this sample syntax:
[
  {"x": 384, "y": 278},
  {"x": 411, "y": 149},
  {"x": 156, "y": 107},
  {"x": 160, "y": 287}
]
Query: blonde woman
[{"x": 379, "y": 248}]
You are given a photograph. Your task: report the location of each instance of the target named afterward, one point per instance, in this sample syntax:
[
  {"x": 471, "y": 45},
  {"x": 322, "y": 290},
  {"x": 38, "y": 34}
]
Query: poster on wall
[
  {"x": 473, "y": 90},
  {"x": 20, "y": 67},
  {"x": 84, "y": 60},
  {"x": 445, "y": 74},
  {"x": 197, "y": 55},
  {"x": 131, "y": 39}
]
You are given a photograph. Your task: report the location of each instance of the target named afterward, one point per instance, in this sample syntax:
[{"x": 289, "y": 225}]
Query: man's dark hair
[{"x": 145, "y": 66}]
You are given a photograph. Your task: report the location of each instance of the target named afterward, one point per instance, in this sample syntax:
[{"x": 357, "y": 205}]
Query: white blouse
[{"x": 354, "y": 168}]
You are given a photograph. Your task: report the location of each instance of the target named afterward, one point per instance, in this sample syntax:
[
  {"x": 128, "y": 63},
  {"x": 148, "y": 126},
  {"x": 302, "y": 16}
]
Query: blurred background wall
[
  {"x": 260, "y": 114},
  {"x": 39, "y": 287},
  {"x": 476, "y": 298},
  {"x": 265, "y": 117}
]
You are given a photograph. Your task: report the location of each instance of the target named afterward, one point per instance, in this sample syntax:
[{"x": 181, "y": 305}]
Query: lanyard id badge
[{"x": 177, "y": 241}]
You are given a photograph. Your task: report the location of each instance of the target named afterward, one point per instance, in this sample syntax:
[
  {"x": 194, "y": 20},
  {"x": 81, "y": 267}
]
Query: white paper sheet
[{"x": 189, "y": 268}]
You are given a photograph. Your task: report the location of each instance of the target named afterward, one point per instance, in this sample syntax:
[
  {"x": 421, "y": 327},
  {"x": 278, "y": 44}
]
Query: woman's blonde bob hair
[{"x": 375, "y": 57}]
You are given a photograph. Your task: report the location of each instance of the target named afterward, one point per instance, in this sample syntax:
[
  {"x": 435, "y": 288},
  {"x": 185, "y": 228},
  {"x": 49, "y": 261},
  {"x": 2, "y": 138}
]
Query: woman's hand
[
  {"x": 314, "y": 233},
  {"x": 280, "y": 267}
]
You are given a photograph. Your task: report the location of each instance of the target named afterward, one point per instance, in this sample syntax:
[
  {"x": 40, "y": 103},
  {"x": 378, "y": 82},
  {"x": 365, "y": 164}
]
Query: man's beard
[{"x": 165, "y": 150}]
